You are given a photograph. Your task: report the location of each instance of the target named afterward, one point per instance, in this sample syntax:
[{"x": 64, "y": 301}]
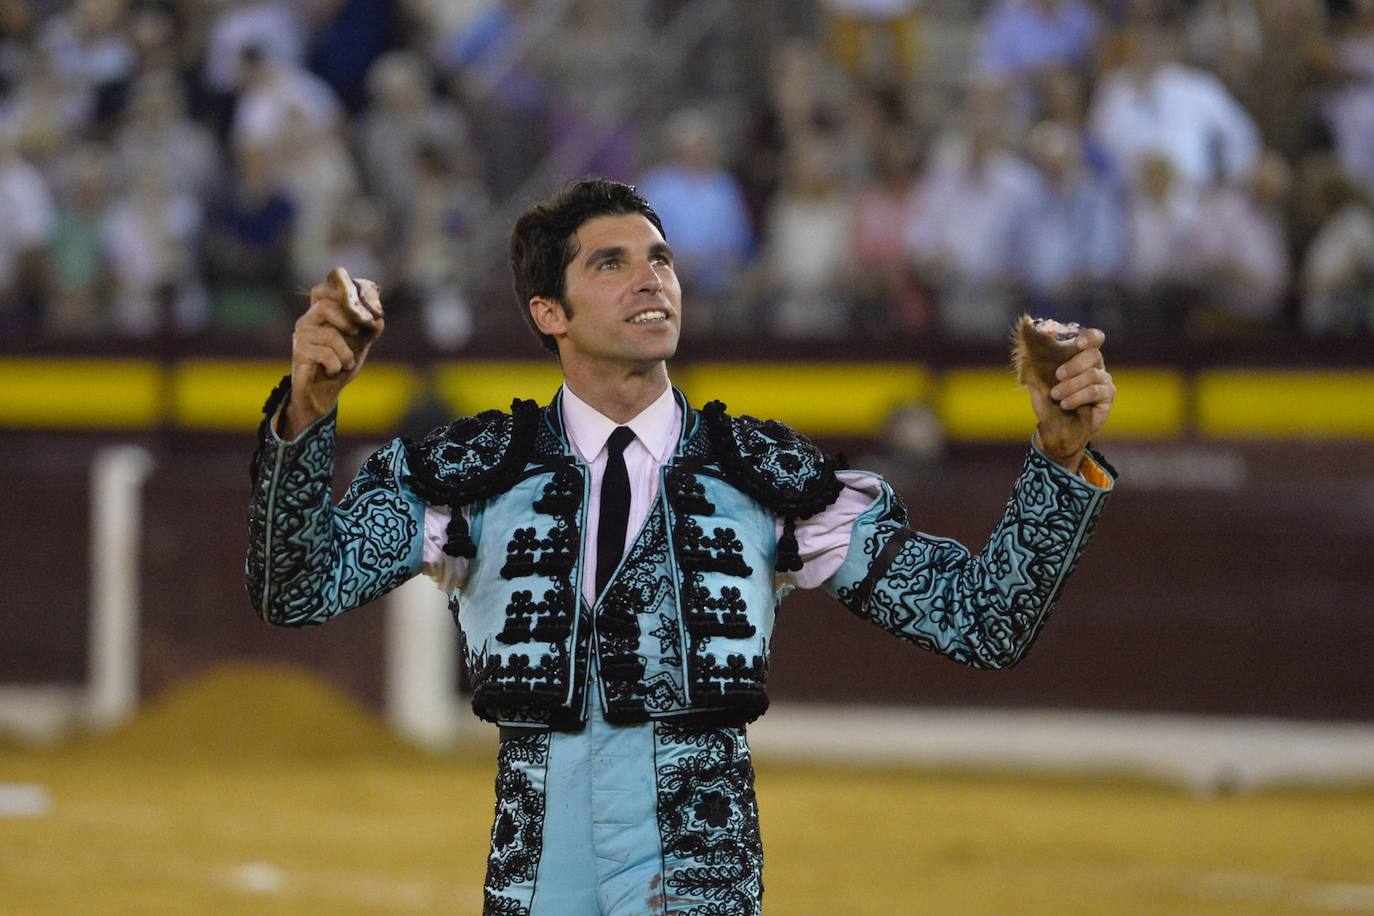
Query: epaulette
[
  {"x": 471, "y": 459},
  {"x": 777, "y": 466}
]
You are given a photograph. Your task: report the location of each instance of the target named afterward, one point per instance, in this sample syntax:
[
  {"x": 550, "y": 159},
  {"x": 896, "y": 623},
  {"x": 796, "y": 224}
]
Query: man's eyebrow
[
  {"x": 662, "y": 248},
  {"x": 601, "y": 254}
]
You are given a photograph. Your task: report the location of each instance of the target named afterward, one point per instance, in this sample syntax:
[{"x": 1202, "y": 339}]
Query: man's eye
[
  {"x": 663, "y": 259},
  {"x": 608, "y": 265}
]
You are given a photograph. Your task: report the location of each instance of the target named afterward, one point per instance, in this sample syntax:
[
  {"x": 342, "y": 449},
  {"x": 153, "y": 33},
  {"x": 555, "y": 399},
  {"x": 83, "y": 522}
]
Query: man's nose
[{"x": 649, "y": 280}]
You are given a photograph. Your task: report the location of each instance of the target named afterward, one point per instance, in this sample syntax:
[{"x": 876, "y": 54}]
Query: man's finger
[
  {"x": 319, "y": 336},
  {"x": 326, "y": 292},
  {"x": 1093, "y": 376},
  {"x": 329, "y": 361},
  {"x": 1080, "y": 363},
  {"x": 1090, "y": 338},
  {"x": 328, "y": 311},
  {"x": 1097, "y": 394}
]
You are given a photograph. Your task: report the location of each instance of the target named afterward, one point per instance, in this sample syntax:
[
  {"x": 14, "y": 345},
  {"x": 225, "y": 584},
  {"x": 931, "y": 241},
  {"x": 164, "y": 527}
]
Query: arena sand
[{"x": 259, "y": 790}]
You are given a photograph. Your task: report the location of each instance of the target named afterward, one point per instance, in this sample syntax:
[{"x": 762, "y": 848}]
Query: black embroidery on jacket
[
  {"x": 773, "y": 463},
  {"x": 983, "y": 611},
  {"x": 777, "y": 466},
  {"x": 517, "y": 830},
  {"x": 269, "y": 408},
  {"x": 470, "y": 459},
  {"x": 538, "y": 677},
  {"x": 368, "y": 538},
  {"x": 636, "y": 597},
  {"x": 705, "y": 615},
  {"x": 708, "y": 819}
]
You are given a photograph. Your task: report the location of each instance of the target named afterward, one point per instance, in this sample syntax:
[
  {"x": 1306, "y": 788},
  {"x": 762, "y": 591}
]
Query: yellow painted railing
[{"x": 830, "y": 399}]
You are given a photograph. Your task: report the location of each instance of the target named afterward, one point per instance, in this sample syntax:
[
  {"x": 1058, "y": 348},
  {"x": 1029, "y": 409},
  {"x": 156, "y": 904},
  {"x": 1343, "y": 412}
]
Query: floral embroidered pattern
[
  {"x": 984, "y": 611},
  {"x": 307, "y": 561},
  {"x": 473, "y": 457},
  {"x": 708, "y": 819},
  {"x": 470, "y": 459},
  {"x": 639, "y": 594},
  {"x": 517, "y": 831},
  {"x": 773, "y": 463}
]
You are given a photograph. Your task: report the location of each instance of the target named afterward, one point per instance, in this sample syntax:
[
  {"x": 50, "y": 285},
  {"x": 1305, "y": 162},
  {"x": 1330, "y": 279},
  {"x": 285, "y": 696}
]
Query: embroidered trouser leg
[{"x": 626, "y": 819}]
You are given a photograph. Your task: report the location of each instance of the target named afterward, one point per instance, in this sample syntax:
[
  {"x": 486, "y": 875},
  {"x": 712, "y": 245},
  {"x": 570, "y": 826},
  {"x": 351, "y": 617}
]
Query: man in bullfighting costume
[{"x": 615, "y": 559}]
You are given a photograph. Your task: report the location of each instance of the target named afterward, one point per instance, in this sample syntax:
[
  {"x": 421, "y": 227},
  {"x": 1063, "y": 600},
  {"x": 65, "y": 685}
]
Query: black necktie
[{"x": 615, "y": 507}]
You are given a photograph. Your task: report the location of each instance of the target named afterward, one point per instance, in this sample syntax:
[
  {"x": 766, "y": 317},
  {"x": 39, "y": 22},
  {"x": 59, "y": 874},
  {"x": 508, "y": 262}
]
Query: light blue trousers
[{"x": 617, "y": 820}]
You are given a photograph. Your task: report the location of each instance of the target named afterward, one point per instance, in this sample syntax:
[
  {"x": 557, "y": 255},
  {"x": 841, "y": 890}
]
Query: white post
[
  {"x": 422, "y": 665},
  {"x": 117, "y": 476}
]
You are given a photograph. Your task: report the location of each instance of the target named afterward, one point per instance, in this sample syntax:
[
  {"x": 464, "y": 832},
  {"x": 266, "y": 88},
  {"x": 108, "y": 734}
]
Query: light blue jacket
[{"x": 684, "y": 627}]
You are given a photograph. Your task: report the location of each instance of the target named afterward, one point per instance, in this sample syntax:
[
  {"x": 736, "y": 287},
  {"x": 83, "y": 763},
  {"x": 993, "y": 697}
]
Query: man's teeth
[{"x": 642, "y": 317}]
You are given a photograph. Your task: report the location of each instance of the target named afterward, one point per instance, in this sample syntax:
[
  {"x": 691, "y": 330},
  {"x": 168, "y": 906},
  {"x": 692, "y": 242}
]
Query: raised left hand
[{"x": 1078, "y": 404}]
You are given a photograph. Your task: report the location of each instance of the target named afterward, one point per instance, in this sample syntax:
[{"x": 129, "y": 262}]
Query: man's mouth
[{"x": 649, "y": 317}]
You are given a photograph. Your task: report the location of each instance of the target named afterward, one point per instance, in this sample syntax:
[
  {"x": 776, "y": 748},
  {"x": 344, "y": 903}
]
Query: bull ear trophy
[
  {"x": 361, "y": 296},
  {"x": 1039, "y": 346}
]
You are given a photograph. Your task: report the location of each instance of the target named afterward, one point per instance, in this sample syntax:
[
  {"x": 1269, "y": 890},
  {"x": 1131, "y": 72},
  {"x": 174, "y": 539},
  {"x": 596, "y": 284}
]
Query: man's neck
[{"x": 619, "y": 393}]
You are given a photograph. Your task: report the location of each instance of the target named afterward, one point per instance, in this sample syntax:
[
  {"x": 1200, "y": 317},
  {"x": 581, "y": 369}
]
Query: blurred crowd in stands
[{"x": 876, "y": 168}]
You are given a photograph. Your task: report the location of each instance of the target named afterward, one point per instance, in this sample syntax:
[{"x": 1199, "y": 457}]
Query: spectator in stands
[
  {"x": 357, "y": 239},
  {"x": 277, "y": 99},
  {"x": 403, "y": 116},
  {"x": 347, "y": 38},
  {"x": 1020, "y": 39},
  {"x": 47, "y": 110},
  {"x": 18, "y": 26},
  {"x": 153, "y": 239},
  {"x": 1296, "y": 66},
  {"x": 1154, "y": 106},
  {"x": 88, "y": 45},
  {"x": 967, "y": 237},
  {"x": 248, "y": 247},
  {"x": 888, "y": 293},
  {"x": 451, "y": 204},
  {"x": 808, "y": 274},
  {"x": 153, "y": 39},
  {"x": 78, "y": 277},
  {"x": 1078, "y": 244},
  {"x": 27, "y": 204},
  {"x": 599, "y": 41},
  {"x": 1240, "y": 250},
  {"x": 270, "y": 27},
  {"x": 878, "y": 40},
  {"x": 498, "y": 83},
  {"x": 1224, "y": 36},
  {"x": 1063, "y": 103},
  {"x": 1159, "y": 274},
  {"x": 294, "y": 115},
  {"x": 805, "y": 94},
  {"x": 701, "y": 205},
  {"x": 1338, "y": 267},
  {"x": 1349, "y": 106},
  {"x": 157, "y": 133}
]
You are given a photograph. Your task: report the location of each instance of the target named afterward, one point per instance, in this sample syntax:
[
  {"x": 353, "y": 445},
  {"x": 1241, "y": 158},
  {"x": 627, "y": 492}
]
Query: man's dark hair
[{"x": 544, "y": 240}]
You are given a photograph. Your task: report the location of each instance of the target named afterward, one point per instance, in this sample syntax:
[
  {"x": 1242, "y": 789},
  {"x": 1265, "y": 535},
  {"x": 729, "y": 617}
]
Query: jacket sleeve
[
  {"x": 981, "y": 610},
  {"x": 309, "y": 561}
]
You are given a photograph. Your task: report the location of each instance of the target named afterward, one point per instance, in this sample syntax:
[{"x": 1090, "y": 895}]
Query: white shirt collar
[{"x": 656, "y": 426}]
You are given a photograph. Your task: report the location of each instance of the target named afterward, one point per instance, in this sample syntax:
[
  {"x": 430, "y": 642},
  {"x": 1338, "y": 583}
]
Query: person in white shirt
[
  {"x": 615, "y": 558},
  {"x": 1154, "y": 106}
]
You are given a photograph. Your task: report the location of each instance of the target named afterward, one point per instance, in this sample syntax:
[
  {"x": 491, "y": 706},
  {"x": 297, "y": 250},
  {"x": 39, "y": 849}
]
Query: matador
[{"x": 615, "y": 559}]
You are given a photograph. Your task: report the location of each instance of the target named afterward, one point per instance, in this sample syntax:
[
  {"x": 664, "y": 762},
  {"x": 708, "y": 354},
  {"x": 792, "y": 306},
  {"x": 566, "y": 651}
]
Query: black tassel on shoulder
[
  {"x": 789, "y": 557},
  {"x": 459, "y": 543}
]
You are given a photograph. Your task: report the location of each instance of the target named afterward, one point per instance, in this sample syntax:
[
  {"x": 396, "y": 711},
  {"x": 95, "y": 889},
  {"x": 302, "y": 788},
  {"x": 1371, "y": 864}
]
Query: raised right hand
[{"x": 328, "y": 348}]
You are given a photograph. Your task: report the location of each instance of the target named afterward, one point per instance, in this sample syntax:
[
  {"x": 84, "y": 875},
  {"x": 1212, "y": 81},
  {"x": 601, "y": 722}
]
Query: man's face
[{"x": 622, "y": 294}]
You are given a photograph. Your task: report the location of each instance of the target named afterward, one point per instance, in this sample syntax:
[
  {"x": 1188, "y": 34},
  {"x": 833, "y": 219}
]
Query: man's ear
[{"x": 549, "y": 316}]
